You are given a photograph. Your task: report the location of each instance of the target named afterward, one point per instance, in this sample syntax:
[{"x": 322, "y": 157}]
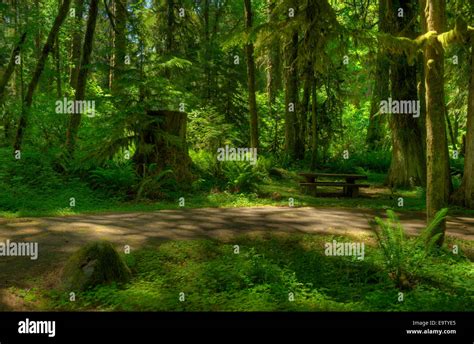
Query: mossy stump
[
  {"x": 95, "y": 264},
  {"x": 164, "y": 144}
]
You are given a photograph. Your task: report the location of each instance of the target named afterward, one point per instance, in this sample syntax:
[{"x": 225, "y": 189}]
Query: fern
[
  {"x": 154, "y": 183},
  {"x": 403, "y": 257},
  {"x": 242, "y": 177},
  {"x": 116, "y": 179},
  {"x": 429, "y": 235}
]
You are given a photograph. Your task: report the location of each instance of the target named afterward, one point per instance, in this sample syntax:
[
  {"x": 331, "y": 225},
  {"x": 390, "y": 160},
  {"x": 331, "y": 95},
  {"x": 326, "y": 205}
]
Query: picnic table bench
[{"x": 350, "y": 187}]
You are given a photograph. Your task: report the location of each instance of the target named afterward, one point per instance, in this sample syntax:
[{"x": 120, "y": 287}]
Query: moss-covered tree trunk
[
  {"x": 437, "y": 188},
  {"x": 422, "y": 98},
  {"x": 407, "y": 166},
  {"x": 381, "y": 90},
  {"x": 304, "y": 109},
  {"x": 314, "y": 124},
  {"x": 120, "y": 45},
  {"x": 291, "y": 95},
  {"x": 464, "y": 196},
  {"x": 468, "y": 178},
  {"x": 111, "y": 13},
  {"x": 170, "y": 24},
  {"x": 76, "y": 42},
  {"x": 10, "y": 67},
  {"x": 164, "y": 143}
]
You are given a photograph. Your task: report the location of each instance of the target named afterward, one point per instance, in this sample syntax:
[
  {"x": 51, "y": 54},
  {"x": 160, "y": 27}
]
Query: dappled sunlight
[{"x": 58, "y": 238}]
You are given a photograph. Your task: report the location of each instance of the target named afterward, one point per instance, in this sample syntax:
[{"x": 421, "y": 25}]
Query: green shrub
[{"x": 34, "y": 170}]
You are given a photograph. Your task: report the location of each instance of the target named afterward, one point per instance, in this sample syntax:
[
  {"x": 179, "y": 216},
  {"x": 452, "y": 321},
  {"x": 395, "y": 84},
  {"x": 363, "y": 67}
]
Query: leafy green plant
[
  {"x": 403, "y": 256},
  {"x": 206, "y": 165},
  {"x": 242, "y": 177},
  {"x": 431, "y": 235},
  {"x": 116, "y": 179},
  {"x": 155, "y": 184}
]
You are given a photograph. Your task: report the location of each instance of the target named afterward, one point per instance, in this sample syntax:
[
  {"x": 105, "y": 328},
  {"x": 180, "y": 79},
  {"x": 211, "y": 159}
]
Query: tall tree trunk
[
  {"x": 75, "y": 119},
  {"x": 112, "y": 57},
  {"x": 464, "y": 196},
  {"x": 303, "y": 114},
  {"x": 38, "y": 71},
  {"x": 12, "y": 72},
  {"x": 422, "y": 96},
  {"x": 120, "y": 46},
  {"x": 170, "y": 27},
  {"x": 76, "y": 42},
  {"x": 309, "y": 44},
  {"x": 437, "y": 189},
  {"x": 450, "y": 130},
  {"x": 291, "y": 95},
  {"x": 207, "y": 51},
  {"x": 10, "y": 67},
  {"x": 251, "y": 78},
  {"x": 407, "y": 166},
  {"x": 381, "y": 90},
  {"x": 314, "y": 125},
  {"x": 273, "y": 72},
  {"x": 57, "y": 62}
]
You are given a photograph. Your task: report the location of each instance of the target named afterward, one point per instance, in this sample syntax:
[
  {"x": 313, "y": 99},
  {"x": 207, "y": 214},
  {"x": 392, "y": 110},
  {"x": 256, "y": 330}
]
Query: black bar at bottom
[{"x": 360, "y": 326}]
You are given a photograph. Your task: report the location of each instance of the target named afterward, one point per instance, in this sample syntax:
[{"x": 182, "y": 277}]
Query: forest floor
[
  {"x": 59, "y": 237},
  {"x": 220, "y": 217}
]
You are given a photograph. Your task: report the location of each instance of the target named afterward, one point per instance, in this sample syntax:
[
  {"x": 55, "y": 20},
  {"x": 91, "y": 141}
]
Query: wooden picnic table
[{"x": 350, "y": 187}]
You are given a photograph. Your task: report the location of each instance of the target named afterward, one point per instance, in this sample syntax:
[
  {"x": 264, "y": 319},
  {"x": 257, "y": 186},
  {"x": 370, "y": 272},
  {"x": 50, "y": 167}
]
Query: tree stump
[{"x": 163, "y": 143}]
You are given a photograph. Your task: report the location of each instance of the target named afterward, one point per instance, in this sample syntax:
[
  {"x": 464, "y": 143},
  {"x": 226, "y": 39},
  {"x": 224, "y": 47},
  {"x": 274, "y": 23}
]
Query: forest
[{"x": 208, "y": 155}]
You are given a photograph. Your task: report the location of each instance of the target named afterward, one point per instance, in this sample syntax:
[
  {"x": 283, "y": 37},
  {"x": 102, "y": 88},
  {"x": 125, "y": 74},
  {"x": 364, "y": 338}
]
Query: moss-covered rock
[{"x": 94, "y": 264}]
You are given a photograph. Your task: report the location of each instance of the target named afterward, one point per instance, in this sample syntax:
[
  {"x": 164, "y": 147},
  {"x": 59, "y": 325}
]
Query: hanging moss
[
  {"x": 404, "y": 45},
  {"x": 96, "y": 263},
  {"x": 410, "y": 47},
  {"x": 457, "y": 35}
]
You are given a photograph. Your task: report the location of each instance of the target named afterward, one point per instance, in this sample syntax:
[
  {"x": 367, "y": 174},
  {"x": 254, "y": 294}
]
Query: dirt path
[
  {"x": 137, "y": 228},
  {"x": 57, "y": 237}
]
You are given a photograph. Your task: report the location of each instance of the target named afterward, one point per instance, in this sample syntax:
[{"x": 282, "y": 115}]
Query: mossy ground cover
[{"x": 264, "y": 273}]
